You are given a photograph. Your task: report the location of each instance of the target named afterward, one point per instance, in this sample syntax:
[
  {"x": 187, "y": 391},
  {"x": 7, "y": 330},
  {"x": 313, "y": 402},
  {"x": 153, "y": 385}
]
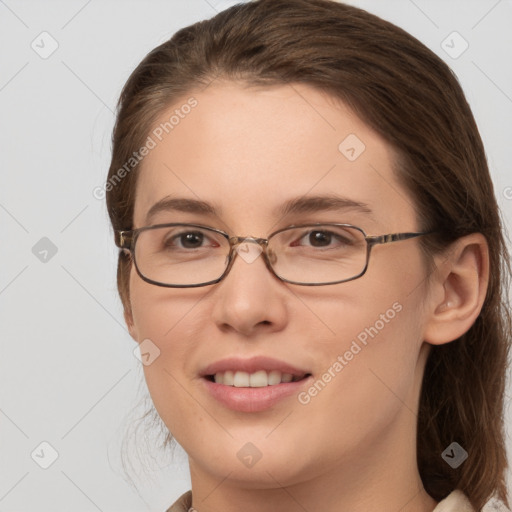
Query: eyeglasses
[{"x": 192, "y": 255}]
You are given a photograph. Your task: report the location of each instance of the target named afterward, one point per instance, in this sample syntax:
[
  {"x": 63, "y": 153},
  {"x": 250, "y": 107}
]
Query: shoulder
[{"x": 182, "y": 504}]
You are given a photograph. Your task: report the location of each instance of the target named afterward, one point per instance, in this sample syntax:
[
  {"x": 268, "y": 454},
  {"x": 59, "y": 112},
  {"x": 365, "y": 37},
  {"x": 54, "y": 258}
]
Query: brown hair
[{"x": 411, "y": 98}]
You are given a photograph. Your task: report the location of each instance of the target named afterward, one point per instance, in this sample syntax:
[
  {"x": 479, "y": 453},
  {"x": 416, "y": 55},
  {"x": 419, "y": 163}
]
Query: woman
[{"x": 313, "y": 264}]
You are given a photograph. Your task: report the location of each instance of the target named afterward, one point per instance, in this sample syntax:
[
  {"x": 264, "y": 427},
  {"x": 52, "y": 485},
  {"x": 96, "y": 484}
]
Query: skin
[{"x": 353, "y": 447}]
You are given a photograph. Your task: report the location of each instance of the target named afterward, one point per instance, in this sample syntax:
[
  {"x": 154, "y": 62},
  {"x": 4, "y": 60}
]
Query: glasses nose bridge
[{"x": 235, "y": 241}]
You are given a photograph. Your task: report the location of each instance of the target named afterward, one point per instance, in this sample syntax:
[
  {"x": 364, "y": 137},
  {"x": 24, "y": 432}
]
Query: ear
[{"x": 458, "y": 289}]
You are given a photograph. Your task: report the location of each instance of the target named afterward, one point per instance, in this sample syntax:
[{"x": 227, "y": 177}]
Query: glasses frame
[{"x": 127, "y": 239}]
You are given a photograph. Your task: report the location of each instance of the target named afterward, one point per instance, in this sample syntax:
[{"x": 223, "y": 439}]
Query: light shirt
[{"x": 456, "y": 501}]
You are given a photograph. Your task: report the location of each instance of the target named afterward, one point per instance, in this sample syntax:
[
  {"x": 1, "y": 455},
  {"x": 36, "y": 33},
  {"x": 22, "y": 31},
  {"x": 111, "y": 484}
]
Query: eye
[
  {"x": 191, "y": 240},
  {"x": 322, "y": 238},
  {"x": 319, "y": 238},
  {"x": 188, "y": 240}
]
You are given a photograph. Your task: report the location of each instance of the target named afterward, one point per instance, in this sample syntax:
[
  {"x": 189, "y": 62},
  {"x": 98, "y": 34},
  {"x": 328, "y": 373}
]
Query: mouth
[
  {"x": 258, "y": 379},
  {"x": 253, "y": 392},
  {"x": 253, "y": 384}
]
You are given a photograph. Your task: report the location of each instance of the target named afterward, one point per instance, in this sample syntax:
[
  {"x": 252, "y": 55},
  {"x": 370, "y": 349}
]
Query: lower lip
[{"x": 253, "y": 399}]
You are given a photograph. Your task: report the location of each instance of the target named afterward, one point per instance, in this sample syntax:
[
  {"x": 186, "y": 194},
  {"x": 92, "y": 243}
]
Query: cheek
[
  {"x": 367, "y": 378},
  {"x": 167, "y": 327},
  {"x": 371, "y": 345},
  {"x": 159, "y": 312}
]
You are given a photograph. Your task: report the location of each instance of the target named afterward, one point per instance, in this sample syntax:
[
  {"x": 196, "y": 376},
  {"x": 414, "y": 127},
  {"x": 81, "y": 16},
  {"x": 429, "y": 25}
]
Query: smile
[{"x": 259, "y": 379}]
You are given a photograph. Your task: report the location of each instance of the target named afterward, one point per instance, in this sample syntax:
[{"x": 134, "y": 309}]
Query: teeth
[{"x": 257, "y": 379}]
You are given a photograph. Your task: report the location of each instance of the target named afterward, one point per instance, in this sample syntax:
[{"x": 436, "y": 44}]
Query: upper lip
[{"x": 252, "y": 365}]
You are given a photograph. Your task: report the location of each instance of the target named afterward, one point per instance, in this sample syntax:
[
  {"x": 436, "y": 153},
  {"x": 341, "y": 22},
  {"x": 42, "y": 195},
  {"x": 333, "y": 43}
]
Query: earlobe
[{"x": 460, "y": 286}]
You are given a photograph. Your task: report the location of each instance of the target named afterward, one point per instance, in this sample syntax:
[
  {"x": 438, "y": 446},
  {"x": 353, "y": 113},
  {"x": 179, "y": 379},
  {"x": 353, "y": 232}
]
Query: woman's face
[{"x": 247, "y": 152}]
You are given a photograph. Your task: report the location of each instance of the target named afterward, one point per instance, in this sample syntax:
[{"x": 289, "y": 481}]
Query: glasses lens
[
  {"x": 181, "y": 254},
  {"x": 318, "y": 254}
]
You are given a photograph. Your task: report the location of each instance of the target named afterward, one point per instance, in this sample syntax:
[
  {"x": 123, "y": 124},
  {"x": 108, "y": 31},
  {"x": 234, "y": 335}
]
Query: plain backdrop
[{"x": 69, "y": 380}]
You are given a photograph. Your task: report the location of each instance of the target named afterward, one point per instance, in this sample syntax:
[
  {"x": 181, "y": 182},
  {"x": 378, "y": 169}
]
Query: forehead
[{"x": 246, "y": 150}]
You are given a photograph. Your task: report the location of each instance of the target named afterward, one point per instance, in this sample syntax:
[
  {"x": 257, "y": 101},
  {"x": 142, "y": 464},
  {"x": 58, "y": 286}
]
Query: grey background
[{"x": 68, "y": 375}]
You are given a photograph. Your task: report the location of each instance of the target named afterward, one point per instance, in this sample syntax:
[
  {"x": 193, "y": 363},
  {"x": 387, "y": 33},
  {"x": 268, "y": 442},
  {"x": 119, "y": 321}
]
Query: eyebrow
[
  {"x": 304, "y": 204},
  {"x": 182, "y": 205},
  {"x": 329, "y": 202}
]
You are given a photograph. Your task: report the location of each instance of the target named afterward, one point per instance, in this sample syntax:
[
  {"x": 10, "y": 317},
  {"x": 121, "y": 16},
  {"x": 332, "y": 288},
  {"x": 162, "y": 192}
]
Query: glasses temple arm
[
  {"x": 395, "y": 237},
  {"x": 123, "y": 239}
]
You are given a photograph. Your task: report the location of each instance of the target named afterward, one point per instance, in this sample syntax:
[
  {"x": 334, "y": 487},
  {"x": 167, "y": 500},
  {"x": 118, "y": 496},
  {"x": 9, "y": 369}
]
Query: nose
[{"x": 250, "y": 299}]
